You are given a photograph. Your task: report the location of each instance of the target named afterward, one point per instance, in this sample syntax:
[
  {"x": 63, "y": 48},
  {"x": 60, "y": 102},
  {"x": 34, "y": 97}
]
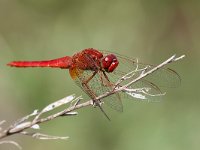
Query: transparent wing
[
  {"x": 164, "y": 77},
  {"x": 114, "y": 101},
  {"x": 147, "y": 88}
]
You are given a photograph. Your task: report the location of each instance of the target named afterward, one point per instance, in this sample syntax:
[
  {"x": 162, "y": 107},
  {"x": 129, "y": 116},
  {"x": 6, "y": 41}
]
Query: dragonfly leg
[
  {"x": 105, "y": 76},
  {"x": 86, "y": 86},
  {"x": 92, "y": 94}
]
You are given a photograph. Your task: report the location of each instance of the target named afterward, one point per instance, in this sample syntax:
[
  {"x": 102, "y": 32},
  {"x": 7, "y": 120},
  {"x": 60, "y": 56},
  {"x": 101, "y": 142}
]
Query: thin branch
[
  {"x": 44, "y": 136},
  {"x": 11, "y": 142},
  {"x": 22, "y": 124}
]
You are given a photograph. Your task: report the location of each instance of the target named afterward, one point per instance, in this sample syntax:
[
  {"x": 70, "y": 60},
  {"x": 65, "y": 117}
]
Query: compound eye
[{"x": 109, "y": 63}]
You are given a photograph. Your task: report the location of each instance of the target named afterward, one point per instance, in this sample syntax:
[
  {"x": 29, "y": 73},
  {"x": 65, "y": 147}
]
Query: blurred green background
[{"x": 149, "y": 30}]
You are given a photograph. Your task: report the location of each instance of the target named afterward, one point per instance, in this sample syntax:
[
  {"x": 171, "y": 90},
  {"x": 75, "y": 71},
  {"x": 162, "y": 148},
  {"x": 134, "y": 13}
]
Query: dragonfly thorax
[{"x": 91, "y": 59}]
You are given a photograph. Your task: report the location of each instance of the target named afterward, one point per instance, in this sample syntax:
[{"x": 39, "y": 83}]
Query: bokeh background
[{"x": 149, "y": 30}]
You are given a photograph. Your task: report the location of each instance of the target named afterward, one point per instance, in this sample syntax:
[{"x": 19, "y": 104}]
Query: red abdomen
[{"x": 64, "y": 62}]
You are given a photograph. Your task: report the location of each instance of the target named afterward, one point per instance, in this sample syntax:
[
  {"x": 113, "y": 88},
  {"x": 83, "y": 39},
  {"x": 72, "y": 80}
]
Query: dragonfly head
[{"x": 109, "y": 63}]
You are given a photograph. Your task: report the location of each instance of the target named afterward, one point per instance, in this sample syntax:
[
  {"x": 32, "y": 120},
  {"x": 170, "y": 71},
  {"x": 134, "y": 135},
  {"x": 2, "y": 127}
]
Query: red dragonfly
[{"x": 96, "y": 72}]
